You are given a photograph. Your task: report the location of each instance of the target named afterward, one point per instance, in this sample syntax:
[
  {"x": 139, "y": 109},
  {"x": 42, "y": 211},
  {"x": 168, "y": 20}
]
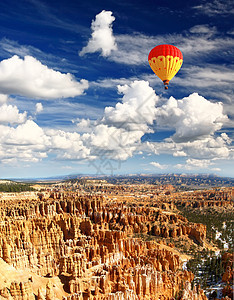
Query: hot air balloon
[{"x": 165, "y": 61}]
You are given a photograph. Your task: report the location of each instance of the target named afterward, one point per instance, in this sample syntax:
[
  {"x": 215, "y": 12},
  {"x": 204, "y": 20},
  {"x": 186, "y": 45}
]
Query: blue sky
[{"x": 77, "y": 94}]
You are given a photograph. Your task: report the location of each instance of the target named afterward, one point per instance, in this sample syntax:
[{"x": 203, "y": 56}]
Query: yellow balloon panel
[{"x": 165, "y": 67}]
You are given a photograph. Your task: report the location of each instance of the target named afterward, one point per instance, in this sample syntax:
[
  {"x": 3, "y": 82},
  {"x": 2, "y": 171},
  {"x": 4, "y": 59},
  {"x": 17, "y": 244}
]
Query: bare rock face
[
  {"x": 227, "y": 259},
  {"x": 192, "y": 294},
  {"x": 207, "y": 198},
  {"x": 21, "y": 290},
  {"x": 88, "y": 245},
  {"x": 40, "y": 295}
]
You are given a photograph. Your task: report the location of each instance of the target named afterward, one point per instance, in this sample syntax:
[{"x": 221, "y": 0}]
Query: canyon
[{"x": 108, "y": 242}]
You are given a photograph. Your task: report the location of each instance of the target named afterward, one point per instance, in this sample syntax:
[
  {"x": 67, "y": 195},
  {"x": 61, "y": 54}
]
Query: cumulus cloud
[
  {"x": 137, "y": 109},
  {"x": 120, "y": 130},
  {"x": 118, "y": 134},
  {"x": 179, "y": 154},
  {"x": 102, "y": 36},
  {"x": 39, "y": 108},
  {"x": 115, "y": 136},
  {"x": 28, "y": 133},
  {"x": 193, "y": 117},
  {"x": 29, "y": 77},
  {"x": 84, "y": 125},
  {"x": 113, "y": 143},
  {"x": 29, "y": 142},
  {"x": 9, "y": 114},
  {"x": 158, "y": 165},
  {"x": 209, "y": 147},
  {"x": 26, "y": 142},
  {"x": 3, "y": 99},
  {"x": 68, "y": 144},
  {"x": 198, "y": 163},
  {"x": 192, "y": 164}
]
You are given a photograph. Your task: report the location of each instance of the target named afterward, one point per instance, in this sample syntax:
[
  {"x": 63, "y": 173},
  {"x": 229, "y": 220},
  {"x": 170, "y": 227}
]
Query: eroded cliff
[{"x": 84, "y": 247}]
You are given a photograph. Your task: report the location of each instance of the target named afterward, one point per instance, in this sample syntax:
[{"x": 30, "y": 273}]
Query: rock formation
[{"x": 73, "y": 246}]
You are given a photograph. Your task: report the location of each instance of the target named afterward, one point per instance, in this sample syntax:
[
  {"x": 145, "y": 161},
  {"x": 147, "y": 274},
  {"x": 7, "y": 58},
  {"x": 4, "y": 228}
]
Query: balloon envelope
[{"x": 165, "y": 61}]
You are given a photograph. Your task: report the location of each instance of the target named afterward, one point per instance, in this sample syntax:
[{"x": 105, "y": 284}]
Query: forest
[{"x": 15, "y": 187}]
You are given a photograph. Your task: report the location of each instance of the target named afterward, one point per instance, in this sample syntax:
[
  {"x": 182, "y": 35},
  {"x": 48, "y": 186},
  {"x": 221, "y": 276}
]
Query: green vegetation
[
  {"x": 215, "y": 221},
  {"x": 206, "y": 267},
  {"x": 15, "y": 187}
]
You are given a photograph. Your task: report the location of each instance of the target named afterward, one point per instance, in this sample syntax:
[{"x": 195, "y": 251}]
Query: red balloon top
[{"x": 164, "y": 50}]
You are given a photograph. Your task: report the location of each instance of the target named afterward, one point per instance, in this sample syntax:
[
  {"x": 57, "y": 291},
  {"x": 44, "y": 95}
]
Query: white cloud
[
  {"x": 206, "y": 148},
  {"x": 215, "y": 8},
  {"x": 102, "y": 36},
  {"x": 231, "y": 32},
  {"x": 26, "y": 142},
  {"x": 216, "y": 169},
  {"x": 112, "y": 82},
  {"x": 84, "y": 125},
  {"x": 29, "y": 142},
  {"x": 198, "y": 163},
  {"x": 9, "y": 47},
  {"x": 179, "y": 154},
  {"x": 104, "y": 138},
  {"x": 158, "y": 165},
  {"x": 199, "y": 41},
  {"x": 39, "y": 108},
  {"x": 137, "y": 109},
  {"x": 209, "y": 76},
  {"x": 28, "y": 133},
  {"x": 29, "y": 77},
  {"x": 193, "y": 117},
  {"x": 118, "y": 134},
  {"x": 10, "y": 114},
  {"x": 69, "y": 145},
  {"x": 113, "y": 143},
  {"x": 3, "y": 99},
  {"x": 203, "y": 29},
  {"x": 134, "y": 49}
]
